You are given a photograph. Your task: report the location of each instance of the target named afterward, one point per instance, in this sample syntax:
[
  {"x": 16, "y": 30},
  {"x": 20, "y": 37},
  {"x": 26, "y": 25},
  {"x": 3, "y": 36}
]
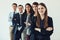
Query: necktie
[
  {"x": 13, "y": 14},
  {"x": 20, "y": 19}
]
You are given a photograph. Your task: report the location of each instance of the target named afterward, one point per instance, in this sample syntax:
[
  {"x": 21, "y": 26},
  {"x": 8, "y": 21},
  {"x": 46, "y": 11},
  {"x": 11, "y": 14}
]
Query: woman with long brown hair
[
  {"x": 42, "y": 24},
  {"x": 27, "y": 15}
]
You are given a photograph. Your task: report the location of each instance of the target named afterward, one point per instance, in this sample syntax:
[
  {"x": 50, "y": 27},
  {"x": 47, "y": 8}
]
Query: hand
[
  {"x": 49, "y": 29},
  {"x": 27, "y": 23},
  {"x": 19, "y": 28},
  {"x": 38, "y": 29}
]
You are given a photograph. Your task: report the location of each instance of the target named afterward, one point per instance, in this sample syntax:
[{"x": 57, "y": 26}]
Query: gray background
[{"x": 53, "y": 11}]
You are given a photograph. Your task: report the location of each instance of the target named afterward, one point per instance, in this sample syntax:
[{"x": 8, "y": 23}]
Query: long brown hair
[{"x": 45, "y": 18}]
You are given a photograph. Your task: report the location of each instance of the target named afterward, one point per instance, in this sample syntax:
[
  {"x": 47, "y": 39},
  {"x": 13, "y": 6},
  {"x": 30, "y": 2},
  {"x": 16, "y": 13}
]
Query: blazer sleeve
[
  {"x": 33, "y": 25},
  {"x": 50, "y": 24}
]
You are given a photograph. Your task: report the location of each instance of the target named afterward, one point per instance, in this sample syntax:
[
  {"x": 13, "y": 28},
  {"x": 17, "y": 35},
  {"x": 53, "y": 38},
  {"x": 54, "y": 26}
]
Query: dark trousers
[
  {"x": 18, "y": 35},
  {"x": 38, "y": 37},
  {"x": 32, "y": 37}
]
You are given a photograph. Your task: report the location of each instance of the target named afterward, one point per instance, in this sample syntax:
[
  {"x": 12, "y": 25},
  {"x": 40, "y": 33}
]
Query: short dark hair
[
  {"x": 20, "y": 5},
  {"x": 14, "y": 4},
  {"x": 35, "y": 3}
]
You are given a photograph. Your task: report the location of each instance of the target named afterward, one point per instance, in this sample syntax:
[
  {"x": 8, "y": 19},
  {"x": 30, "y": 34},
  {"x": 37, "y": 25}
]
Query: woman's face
[
  {"x": 35, "y": 8},
  {"x": 41, "y": 9},
  {"x": 27, "y": 8}
]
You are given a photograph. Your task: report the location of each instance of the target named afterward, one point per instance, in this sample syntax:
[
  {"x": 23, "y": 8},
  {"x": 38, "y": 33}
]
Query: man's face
[
  {"x": 14, "y": 7},
  {"x": 35, "y": 8},
  {"x": 20, "y": 8}
]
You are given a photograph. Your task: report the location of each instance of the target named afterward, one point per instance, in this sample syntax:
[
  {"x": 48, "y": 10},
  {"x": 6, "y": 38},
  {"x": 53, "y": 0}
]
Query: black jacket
[
  {"x": 25, "y": 17},
  {"x": 16, "y": 22},
  {"x": 44, "y": 34}
]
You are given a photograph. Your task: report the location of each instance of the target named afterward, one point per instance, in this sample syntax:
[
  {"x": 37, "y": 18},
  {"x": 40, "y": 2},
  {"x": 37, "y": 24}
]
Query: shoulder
[
  {"x": 24, "y": 14},
  {"x": 49, "y": 18},
  {"x": 34, "y": 18},
  {"x": 11, "y": 13},
  {"x": 50, "y": 22},
  {"x": 32, "y": 14}
]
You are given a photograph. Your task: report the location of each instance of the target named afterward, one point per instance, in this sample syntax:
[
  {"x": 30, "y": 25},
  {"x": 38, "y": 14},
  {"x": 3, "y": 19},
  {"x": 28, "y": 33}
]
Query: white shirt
[{"x": 10, "y": 17}]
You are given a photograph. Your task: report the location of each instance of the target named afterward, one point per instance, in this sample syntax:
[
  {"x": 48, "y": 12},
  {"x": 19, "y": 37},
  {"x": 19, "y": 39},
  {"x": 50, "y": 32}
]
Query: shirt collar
[{"x": 15, "y": 12}]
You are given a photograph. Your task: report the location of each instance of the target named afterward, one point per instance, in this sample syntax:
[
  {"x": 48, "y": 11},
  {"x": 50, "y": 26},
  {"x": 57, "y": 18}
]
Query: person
[
  {"x": 27, "y": 15},
  {"x": 14, "y": 7},
  {"x": 35, "y": 10},
  {"x": 42, "y": 24},
  {"x": 19, "y": 24}
]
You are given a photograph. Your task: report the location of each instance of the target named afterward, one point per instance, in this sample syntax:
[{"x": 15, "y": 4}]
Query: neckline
[{"x": 42, "y": 19}]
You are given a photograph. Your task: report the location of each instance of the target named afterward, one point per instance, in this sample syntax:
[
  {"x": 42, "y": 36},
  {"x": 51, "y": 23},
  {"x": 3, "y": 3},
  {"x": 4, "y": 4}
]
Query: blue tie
[{"x": 13, "y": 14}]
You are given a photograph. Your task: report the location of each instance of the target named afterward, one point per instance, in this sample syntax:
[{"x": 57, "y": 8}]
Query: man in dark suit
[{"x": 19, "y": 27}]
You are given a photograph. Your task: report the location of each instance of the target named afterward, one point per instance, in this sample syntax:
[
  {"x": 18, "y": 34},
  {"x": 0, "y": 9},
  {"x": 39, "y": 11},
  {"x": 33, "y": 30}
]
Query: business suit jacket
[
  {"x": 16, "y": 21},
  {"x": 44, "y": 34},
  {"x": 25, "y": 17}
]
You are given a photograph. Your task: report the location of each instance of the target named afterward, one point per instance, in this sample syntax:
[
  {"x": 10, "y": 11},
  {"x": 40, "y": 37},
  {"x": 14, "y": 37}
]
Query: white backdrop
[{"x": 53, "y": 11}]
